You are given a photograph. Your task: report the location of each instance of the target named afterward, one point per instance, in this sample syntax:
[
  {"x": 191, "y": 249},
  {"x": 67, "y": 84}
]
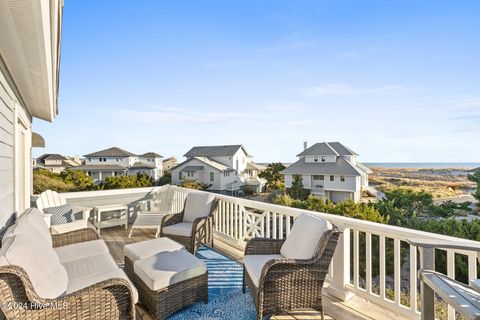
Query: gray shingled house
[{"x": 329, "y": 170}]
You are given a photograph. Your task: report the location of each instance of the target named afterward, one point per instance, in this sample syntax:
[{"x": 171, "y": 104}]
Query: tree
[
  {"x": 273, "y": 176},
  {"x": 297, "y": 191},
  {"x": 79, "y": 178},
  {"x": 165, "y": 179},
  {"x": 403, "y": 204},
  {"x": 122, "y": 182},
  {"x": 476, "y": 178},
  {"x": 194, "y": 184}
]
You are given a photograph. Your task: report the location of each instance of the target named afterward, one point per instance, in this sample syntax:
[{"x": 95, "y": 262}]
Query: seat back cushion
[
  {"x": 60, "y": 214},
  {"x": 47, "y": 275},
  {"x": 21, "y": 227},
  {"x": 34, "y": 217},
  {"x": 197, "y": 205},
  {"x": 303, "y": 239}
]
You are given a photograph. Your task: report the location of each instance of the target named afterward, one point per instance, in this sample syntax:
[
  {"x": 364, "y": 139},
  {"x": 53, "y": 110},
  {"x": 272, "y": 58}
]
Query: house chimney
[{"x": 305, "y": 145}]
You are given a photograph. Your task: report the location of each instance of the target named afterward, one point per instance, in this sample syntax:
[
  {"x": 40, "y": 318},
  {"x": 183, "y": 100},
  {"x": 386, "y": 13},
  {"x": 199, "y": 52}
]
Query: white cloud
[
  {"x": 347, "y": 90},
  {"x": 226, "y": 63}
]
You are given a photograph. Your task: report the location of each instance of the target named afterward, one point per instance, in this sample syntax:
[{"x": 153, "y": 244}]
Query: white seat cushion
[
  {"x": 144, "y": 249},
  {"x": 47, "y": 275},
  {"x": 71, "y": 226},
  {"x": 254, "y": 264},
  {"x": 93, "y": 269},
  {"x": 302, "y": 240},
  {"x": 197, "y": 205},
  {"x": 34, "y": 217},
  {"x": 167, "y": 268},
  {"x": 81, "y": 250},
  {"x": 180, "y": 229}
]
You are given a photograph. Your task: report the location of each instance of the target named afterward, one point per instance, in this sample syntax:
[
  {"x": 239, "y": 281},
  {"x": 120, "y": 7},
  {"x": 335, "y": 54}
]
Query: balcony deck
[{"x": 355, "y": 308}]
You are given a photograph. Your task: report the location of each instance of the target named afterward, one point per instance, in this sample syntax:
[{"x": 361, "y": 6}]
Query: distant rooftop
[
  {"x": 327, "y": 149},
  {"x": 215, "y": 151},
  {"x": 119, "y": 152},
  {"x": 151, "y": 155},
  {"x": 340, "y": 167}
]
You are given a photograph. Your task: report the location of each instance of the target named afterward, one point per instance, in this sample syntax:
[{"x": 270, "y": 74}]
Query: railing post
[
  {"x": 341, "y": 268},
  {"x": 427, "y": 296}
]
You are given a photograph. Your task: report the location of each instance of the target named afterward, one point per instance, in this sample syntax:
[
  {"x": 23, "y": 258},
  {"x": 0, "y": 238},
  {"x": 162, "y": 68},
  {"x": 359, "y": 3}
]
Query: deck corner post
[{"x": 341, "y": 268}]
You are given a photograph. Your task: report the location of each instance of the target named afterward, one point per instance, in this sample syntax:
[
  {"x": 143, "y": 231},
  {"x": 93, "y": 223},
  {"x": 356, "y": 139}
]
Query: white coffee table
[{"x": 101, "y": 220}]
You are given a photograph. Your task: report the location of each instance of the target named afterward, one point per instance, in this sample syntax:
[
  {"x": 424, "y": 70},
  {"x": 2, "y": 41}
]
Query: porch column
[{"x": 341, "y": 268}]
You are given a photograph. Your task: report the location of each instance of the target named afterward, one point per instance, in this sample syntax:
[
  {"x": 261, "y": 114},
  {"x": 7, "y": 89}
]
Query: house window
[
  {"x": 226, "y": 174},
  {"x": 190, "y": 174},
  {"x": 323, "y": 159},
  {"x": 89, "y": 159},
  {"x": 332, "y": 178},
  {"x": 319, "y": 177},
  {"x": 315, "y": 159},
  {"x": 212, "y": 177},
  {"x": 179, "y": 176},
  {"x": 342, "y": 178}
]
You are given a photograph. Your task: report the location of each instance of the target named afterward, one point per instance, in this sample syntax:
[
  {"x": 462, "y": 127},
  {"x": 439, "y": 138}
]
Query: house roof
[
  {"x": 340, "y": 167},
  {"x": 342, "y": 150},
  {"x": 192, "y": 168},
  {"x": 210, "y": 162},
  {"x": 327, "y": 149},
  {"x": 319, "y": 149},
  {"x": 99, "y": 167},
  {"x": 51, "y": 156},
  {"x": 255, "y": 166},
  {"x": 364, "y": 168},
  {"x": 169, "y": 159},
  {"x": 215, "y": 151},
  {"x": 151, "y": 155},
  {"x": 142, "y": 165},
  {"x": 111, "y": 152}
]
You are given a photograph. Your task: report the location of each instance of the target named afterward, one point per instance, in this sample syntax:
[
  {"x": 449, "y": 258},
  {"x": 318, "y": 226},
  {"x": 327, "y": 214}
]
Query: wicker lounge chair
[
  {"x": 288, "y": 275},
  {"x": 41, "y": 277},
  {"x": 194, "y": 225}
]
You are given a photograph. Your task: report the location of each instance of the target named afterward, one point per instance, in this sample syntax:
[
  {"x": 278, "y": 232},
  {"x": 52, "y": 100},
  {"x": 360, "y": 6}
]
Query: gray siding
[{"x": 7, "y": 127}]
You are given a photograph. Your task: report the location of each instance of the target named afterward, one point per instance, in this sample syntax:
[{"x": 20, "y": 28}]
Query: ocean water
[{"x": 425, "y": 165}]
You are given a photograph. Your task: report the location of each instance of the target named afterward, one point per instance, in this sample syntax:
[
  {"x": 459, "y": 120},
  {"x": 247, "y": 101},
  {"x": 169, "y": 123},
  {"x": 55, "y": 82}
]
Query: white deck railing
[{"x": 353, "y": 269}]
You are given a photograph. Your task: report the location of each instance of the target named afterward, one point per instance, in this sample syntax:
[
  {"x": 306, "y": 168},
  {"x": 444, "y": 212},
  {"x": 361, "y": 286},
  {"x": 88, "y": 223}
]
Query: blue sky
[{"x": 393, "y": 80}]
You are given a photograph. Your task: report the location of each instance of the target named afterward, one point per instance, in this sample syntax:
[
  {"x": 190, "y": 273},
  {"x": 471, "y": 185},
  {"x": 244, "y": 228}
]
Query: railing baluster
[
  {"x": 245, "y": 213},
  {"x": 472, "y": 266},
  {"x": 397, "y": 269},
  {"x": 280, "y": 226},
  {"x": 274, "y": 228},
  {"x": 267, "y": 216},
  {"x": 451, "y": 275},
  {"x": 356, "y": 257},
  {"x": 287, "y": 227},
  {"x": 368, "y": 258},
  {"x": 413, "y": 278},
  {"x": 237, "y": 232},
  {"x": 230, "y": 217},
  {"x": 381, "y": 250}
]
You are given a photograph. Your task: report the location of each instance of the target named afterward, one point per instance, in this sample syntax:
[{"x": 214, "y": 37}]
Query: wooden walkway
[{"x": 356, "y": 308}]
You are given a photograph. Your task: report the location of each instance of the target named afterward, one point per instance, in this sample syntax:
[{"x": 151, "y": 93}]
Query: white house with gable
[
  {"x": 329, "y": 170},
  {"x": 116, "y": 161},
  {"x": 225, "y": 168}
]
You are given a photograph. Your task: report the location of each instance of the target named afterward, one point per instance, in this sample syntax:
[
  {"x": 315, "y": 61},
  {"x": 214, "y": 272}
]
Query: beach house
[
  {"x": 329, "y": 170},
  {"x": 56, "y": 163},
  {"x": 226, "y": 169},
  {"x": 116, "y": 161}
]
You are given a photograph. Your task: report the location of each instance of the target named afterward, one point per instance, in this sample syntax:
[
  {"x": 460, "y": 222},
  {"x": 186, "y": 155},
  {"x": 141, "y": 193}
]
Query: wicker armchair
[
  {"x": 107, "y": 299},
  {"x": 287, "y": 284},
  {"x": 110, "y": 299},
  {"x": 201, "y": 227}
]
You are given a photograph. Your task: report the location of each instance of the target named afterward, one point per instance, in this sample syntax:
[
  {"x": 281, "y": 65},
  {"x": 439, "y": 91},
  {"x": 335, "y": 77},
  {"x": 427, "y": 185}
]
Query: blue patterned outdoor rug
[{"x": 225, "y": 298}]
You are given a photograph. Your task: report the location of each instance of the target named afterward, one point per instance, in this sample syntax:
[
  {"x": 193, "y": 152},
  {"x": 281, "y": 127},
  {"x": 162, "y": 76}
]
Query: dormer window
[
  {"x": 315, "y": 158},
  {"x": 323, "y": 158}
]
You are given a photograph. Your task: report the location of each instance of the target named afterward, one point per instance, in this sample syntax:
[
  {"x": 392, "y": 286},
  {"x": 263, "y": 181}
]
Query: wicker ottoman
[{"x": 167, "y": 277}]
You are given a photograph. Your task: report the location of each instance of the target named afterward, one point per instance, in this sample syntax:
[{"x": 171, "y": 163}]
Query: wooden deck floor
[{"x": 356, "y": 308}]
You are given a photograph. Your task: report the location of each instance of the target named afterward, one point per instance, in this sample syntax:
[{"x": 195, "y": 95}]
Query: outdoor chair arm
[
  {"x": 77, "y": 236},
  {"x": 263, "y": 246}
]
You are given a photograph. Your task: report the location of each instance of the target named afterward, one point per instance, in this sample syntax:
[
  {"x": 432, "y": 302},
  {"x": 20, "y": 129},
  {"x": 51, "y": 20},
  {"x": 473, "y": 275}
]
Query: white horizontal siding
[{"x": 7, "y": 198}]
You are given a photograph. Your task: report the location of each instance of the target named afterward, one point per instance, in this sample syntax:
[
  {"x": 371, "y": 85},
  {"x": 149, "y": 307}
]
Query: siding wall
[{"x": 7, "y": 151}]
